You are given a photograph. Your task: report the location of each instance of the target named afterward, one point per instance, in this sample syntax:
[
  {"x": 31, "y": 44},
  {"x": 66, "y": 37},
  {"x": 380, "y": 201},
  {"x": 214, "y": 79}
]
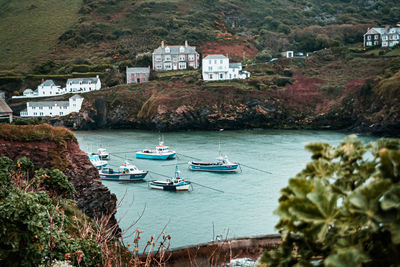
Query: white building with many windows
[
  {"x": 217, "y": 68},
  {"x": 83, "y": 85},
  {"x": 52, "y": 108}
]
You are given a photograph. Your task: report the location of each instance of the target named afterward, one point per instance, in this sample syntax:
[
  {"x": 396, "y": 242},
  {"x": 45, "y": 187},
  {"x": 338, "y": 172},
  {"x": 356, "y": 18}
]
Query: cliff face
[{"x": 94, "y": 199}]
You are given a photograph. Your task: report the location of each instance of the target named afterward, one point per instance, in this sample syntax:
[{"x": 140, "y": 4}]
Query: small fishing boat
[
  {"x": 174, "y": 184},
  {"x": 161, "y": 152},
  {"x": 103, "y": 154},
  {"x": 222, "y": 165},
  {"x": 96, "y": 161},
  {"x": 127, "y": 172}
]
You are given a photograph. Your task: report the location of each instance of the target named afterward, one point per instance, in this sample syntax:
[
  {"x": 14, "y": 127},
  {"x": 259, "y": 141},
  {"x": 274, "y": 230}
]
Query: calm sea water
[{"x": 249, "y": 199}]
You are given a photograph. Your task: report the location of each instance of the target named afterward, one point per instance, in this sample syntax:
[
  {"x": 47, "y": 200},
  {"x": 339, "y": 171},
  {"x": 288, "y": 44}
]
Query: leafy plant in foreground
[{"x": 343, "y": 209}]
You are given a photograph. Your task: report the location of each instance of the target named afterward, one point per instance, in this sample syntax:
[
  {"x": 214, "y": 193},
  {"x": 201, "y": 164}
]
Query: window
[
  {"x": 61, "y": 113},
  {"x": 230, "y": 75},
  {"x": 215, "y": 61},
  {"x": 182, "y": 58},
  {"x": 74, "y": 105},
  {"x": 181, "y": 49},
  {"x": 384, "y": 38},
  {"x": 167, "y": 50},
  {"x": 220, "y": 67},
  {"x": 33, "y": 107},
  {"x": 209, "y": 68},
  {"x": 369, "y": 43},
  {"x": 158, "y": 66},
  {"x": 167, "y": 58},
  {"x": 191, "y": 58},
  {"x": 51, "y": 113},
  {"x": 167, "y": 66},
  {"x": 376, "y": 37},
  {"x": 221, "y": 76},
  {"x": 211, "y": 76},
  {"x": 182, "y": 65},
  {"x": 369, "y": 37},
  {"x": 158, "y": 58},
  {"x": 221, "y": 61},
  {"x": 50, "y": 107},
  {"x": 209, "y": 61},
  {"x": 34, "y": 113},
  {"x": 40, "y": 107},
  {"x": 41, "y": 113}
]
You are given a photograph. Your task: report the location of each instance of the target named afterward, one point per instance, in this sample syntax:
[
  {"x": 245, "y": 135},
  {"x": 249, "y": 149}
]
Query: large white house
[
  {"x": 217, "y": 67},
  {"x": 52, "y": 108},
  {"x": 83, "y": 85},
  {"x": 46, "y": 88}
]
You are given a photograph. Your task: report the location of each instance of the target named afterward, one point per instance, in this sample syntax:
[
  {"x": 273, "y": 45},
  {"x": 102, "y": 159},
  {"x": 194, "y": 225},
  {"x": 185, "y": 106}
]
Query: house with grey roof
[
  {"x": 5, "y": 110},
  {"x": 137, "y": 75},
  {"x": 83, "y": 85},
  {"x": 217, "y": 68},
  {"x": 175, "y": 57},
  {"x": 383, "y": 37},
  {"x": 52, "y": 108}
]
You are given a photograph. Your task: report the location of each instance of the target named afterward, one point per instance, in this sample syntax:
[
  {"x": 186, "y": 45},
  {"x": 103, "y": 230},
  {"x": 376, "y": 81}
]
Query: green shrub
[
  {"x": 343, "y": 208},
  {"x": 55, "y": 182}
]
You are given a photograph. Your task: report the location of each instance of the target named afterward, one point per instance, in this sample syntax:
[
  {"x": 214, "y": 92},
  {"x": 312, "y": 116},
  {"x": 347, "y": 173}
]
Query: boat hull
[
  {"x": 123, "y": 177},
  {"x": 141, "y": 155},
  {"x": 213, "y": 167},
  {"x": 165, "y": 187},
  {"x": 99, "y": 167}
]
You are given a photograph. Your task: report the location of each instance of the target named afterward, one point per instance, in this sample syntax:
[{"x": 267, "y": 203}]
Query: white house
[
  {"x": 287, "y": 54},
  {"x": 217, "y": 67},
  {"x": 83, "y": 85},
  {"x": 49, "y": 88},
  {"x": 52, "y": 108}
]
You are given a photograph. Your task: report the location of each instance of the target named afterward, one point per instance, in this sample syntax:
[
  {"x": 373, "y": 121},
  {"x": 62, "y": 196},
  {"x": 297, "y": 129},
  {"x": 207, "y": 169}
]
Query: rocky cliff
[{"x": 49, "y": 147}]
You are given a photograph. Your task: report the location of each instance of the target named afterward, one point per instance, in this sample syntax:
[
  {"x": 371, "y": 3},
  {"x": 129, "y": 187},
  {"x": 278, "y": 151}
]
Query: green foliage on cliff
[
  {"x": 35, "y": 228},
  {"x": 343, "y": 208}
]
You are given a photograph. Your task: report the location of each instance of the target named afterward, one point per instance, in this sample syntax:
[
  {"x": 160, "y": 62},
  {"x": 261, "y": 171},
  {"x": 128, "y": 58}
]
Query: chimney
[
  {"x": 386, "y": 27},
  {"x": 186, "y": 44},
  {"x": 162, "y": 44}
]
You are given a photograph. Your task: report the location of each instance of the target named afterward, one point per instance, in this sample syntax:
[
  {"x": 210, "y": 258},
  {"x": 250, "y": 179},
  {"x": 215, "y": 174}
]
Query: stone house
[
  {"x": 383, "y": 37},
  {"x": 175, "y": 57},
  {"x": 137, "y": 75}
]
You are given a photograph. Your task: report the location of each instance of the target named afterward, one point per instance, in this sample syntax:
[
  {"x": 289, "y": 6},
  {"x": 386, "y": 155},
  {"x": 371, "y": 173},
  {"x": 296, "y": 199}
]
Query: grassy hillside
[
  {"x": 30, "y": 29},
  {"x": 117, "y": 31}
]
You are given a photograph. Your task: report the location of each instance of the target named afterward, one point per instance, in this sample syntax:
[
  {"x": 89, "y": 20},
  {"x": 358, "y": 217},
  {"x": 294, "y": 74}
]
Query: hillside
[
  {"x": 117, "y": 31},
  {"x": 332, "y": 89}
]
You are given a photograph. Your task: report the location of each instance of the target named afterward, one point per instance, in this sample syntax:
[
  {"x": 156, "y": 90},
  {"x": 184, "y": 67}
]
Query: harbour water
[{"x": 245, "y": 207}]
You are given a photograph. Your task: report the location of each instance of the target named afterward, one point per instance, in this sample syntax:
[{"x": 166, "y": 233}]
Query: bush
[
  {"x": 343, "y": 208},
  {"x": 55, "y": 182}
]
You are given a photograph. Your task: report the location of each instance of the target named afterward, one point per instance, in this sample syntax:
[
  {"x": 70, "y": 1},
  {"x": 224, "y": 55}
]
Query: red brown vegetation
[{"x": 236, "y": 49}]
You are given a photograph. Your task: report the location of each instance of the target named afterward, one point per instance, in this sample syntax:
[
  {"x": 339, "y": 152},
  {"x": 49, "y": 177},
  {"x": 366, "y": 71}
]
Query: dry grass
[{"x": 35, "y": 133}]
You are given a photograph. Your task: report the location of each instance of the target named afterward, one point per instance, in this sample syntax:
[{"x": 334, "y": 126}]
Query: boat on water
[
  {"x": 127, "y": 172},
  {"x": 172, "y": 184},
  {"x": 161, "y": 152},
  {"x": 103, "y": 154},
  {"x": 223, "y": 164},
  {"x": 96, "y": 161}
]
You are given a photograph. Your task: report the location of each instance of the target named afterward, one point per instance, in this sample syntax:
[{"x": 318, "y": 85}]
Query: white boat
[
  {"x": 103, "y": 154},
  {"x": 96, "y": 161},
  {"x": 174, "y": 184},
  {"x": 161, "y": 152},
  {"x": 127, "y": 172},
  {"x": 222, "y": 165}
]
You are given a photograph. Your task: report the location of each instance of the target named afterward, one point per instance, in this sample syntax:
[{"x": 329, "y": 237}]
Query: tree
[{"x": 343, "y": 209}]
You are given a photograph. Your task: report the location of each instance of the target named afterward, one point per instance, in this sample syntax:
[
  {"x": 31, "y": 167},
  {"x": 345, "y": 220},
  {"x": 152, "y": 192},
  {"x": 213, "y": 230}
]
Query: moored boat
[
  {"x": 172, "y": 184},
  {"x": 222, "y": 165},
  {"x": 127, "y": 172},
  {"x": 161, "y": 152},
  {"x": 96, "y": 161},
  {"x": 103, "y": 154}
]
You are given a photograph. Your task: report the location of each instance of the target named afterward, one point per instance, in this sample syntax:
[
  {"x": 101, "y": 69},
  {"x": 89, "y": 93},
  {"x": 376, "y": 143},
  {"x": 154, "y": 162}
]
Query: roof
[
  {"x": 137, "y": 70},
  {"x": 83, "y": 80},
  {"x": 175, "y": 49},
  {"x": 235, "y": 65},
  {"x": 48, "y": 83},
  {"x": 49, "y": 104},
  {"x": 215, "y": 57},
  {"x": 28, "y": 91},
  {"x": 4, "y": 108}
]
